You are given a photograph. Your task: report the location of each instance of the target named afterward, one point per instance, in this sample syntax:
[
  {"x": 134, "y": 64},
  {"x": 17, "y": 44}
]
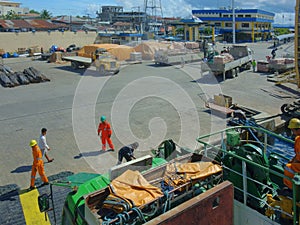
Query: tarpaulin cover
[
  {"x": 149, "y": 48},
  {"x": 121, "y": 52},
  {"x": 197, "y": 170},
  {"x": 132, "y": 185}
]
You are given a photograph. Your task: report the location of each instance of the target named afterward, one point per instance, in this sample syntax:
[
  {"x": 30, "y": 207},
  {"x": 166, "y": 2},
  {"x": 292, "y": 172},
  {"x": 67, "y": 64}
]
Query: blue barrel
[{"x": 15, "y": 55}]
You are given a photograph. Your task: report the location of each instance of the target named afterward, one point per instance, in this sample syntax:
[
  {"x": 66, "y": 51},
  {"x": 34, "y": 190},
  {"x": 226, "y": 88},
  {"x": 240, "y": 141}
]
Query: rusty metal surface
[{"x": 210, "y": 208}]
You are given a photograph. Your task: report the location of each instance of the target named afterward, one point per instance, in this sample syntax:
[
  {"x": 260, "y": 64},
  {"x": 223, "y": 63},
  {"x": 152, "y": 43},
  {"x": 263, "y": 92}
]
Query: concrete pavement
[{"x": 144, "y": 103}]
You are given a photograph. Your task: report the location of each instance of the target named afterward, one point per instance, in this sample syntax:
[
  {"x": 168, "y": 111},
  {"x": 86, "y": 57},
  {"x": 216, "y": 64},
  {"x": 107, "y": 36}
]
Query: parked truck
[
  {"x": 101, "y": 59},
  {"x": 242, "y": 58},
  {"x": 175, "y": 56}
]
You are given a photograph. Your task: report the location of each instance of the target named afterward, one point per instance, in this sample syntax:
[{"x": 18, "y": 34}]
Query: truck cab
[
  {"x": 240, "y": 51},
  {"x": 105, "y": 62}
]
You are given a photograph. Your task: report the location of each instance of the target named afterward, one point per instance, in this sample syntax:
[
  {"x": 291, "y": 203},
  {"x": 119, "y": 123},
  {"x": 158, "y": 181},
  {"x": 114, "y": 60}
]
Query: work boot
[
  {"x": 31, "y": 188},
  {"x": 45, "y": 183},
  {"x": 50, "y": 160}
]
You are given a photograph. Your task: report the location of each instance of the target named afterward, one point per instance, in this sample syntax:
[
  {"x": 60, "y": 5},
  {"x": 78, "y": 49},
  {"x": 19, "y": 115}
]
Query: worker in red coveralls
[
  {"x": 106, "y": 132},
  {"x": 38, "y": 165},
  {"x": 293, "y": 166}
]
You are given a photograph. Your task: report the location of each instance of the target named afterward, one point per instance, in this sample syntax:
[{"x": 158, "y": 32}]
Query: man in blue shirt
[{"x": 127, "y": 152}]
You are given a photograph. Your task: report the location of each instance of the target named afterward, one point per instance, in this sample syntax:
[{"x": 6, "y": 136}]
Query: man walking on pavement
[
  {"x": 43, "y": 144},
  {"x": 37, "y": 165},
  {"x": 127, "y": 152},
  {"x": 105, "y": 132},
  {"x": 253, "y": 65}
]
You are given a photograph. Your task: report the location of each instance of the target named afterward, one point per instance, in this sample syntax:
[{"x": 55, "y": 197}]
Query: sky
[{"x": 284, "y": 9}]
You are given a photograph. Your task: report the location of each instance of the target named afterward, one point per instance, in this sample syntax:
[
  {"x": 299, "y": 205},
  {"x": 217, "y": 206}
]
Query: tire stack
[{"x": 9, "y": 78}]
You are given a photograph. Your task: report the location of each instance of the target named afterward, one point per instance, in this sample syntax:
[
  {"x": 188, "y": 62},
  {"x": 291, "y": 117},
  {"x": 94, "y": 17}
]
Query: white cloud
[{"x": 284, "y": 18}]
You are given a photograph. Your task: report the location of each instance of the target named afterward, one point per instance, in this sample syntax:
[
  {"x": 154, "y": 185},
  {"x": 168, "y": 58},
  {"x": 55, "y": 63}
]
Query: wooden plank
[
  {"x": 77, "y": 59},
  {"x": 218, "y": 108}
]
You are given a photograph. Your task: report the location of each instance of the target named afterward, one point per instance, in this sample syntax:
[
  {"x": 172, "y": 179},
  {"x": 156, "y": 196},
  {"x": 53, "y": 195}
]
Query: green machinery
[{"x": 255, "y": 166}]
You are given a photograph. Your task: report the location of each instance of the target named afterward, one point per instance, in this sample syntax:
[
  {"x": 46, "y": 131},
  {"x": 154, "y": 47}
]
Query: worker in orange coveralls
[
  {"x": 293, "y": 166},
  {"x": 38, "y": 165},
  {"x": 106, "y": 132}
]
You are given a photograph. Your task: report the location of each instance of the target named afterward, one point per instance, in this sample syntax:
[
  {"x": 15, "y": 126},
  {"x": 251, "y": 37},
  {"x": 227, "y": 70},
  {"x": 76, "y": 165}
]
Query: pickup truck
[{"x": 242, "y": 58}]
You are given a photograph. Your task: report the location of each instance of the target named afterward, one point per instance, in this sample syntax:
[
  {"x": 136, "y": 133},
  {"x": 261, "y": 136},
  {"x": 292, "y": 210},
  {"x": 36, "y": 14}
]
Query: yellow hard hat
[
  {"x": 294, "y": 123},
  {"x": 32, "y": 143}
]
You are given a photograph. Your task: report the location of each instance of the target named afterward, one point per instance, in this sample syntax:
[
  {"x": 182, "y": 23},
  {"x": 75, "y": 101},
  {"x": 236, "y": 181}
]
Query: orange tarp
[
  {"x": 121, "y": 52},
  {"x": 194, "y": 171},
  {"x": 132, "y": 185}
]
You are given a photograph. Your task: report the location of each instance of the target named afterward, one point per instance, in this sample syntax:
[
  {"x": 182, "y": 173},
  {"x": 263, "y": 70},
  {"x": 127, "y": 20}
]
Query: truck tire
[
  {"x": 231, "y": 73},
  {"x": 74, "y": 65},
  {"x": 101, "y": 70},
  {"x": 248, "y": 66}
]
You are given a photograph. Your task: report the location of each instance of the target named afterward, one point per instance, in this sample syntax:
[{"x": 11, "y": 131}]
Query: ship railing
[
  {"x": 215, "y": 145},
  {"x": 247, "y": 194}
]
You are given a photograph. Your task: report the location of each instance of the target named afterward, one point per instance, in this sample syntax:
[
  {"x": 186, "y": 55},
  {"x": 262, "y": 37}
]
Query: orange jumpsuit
[
  {"x": 38, "y": 165},
  {"x": 106, "y": 132},
  {"x": 293, "y": 166}
]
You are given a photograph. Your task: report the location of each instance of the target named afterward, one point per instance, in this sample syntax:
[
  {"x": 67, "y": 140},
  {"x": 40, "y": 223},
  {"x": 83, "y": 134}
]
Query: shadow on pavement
[
  {"x": 8, "y": 191},
  {"x": 85, "y": 71},
  {"x": 90, "y": 154},
  {"x": 22, "y": 169}
]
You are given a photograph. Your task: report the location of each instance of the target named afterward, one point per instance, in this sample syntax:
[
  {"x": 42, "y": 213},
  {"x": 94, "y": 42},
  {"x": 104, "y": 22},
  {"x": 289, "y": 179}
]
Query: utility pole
[{"x": 233, "y": 22}]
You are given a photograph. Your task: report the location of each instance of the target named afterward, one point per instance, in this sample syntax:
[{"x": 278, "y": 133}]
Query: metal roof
[{"x": 29, "y": 24}]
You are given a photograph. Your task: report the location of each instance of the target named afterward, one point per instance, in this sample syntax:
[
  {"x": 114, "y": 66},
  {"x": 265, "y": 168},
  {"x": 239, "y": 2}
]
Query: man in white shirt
[{"x": 43, "y": 144}]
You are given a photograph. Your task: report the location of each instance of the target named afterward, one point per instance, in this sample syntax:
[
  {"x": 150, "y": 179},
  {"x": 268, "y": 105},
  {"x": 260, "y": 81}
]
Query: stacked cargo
[
  {"x": 262, "y": 66},
  {"x": 224, "y": 58},
  {"x": 9, "y": 78},
  {"x": 281, "y": 64}
]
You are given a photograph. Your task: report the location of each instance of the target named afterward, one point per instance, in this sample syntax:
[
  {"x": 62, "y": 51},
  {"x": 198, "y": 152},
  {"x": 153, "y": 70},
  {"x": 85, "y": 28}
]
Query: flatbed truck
[
  {"x": 172, "y": 57},
  {"x": 104, "y": 63},
  {"x": 242, "y": 60}
]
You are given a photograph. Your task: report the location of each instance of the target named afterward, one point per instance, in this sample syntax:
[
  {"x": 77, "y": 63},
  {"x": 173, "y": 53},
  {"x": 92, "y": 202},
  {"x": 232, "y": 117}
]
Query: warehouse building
[{"x": 250, "y": 24}]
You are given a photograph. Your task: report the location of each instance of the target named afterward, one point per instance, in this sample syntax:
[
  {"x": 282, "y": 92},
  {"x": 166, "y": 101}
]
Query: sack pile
[{"x": 9, "y": 78}]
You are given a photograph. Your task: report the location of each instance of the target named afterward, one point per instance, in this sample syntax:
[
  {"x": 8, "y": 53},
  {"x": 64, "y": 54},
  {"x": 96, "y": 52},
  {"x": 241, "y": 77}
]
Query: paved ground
[{"x": 144, "y": 103}]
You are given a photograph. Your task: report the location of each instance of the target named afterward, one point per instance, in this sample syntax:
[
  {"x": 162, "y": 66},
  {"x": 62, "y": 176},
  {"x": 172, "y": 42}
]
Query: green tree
[
  {"x": 33, "y": 11},
  {"x": 11, "y": 15},
  {"x": 180, "y": 30},
  {"x": 280, "y": 31},
  {"x": 45, "y": 14},
  {"x": 207, "y": 31}
]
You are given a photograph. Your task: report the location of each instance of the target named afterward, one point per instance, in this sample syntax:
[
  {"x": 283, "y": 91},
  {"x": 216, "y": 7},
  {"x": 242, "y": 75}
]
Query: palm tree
[
  {"x": 11, "y": 15},
  {"x": 45, "y": 14}
]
